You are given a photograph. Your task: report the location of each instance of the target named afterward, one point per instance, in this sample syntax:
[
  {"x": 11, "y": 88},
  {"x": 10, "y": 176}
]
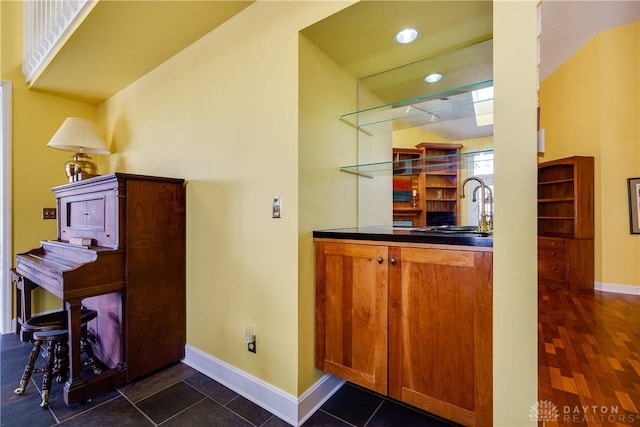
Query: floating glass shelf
[
  {"x": 433, "y": 109},
  {"x": 443, "y": 165}
]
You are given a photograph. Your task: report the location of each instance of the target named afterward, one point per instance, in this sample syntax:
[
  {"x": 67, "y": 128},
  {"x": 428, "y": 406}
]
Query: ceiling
[
  {"x": 455, "y": 41},
  {"x": 360, "y": 38},
  {"x": 568, "y": 25},
  {"x": 120, "y": 41}
]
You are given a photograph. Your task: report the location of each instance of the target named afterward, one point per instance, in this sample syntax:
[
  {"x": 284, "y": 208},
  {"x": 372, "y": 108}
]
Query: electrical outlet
[
  {"x": 48, "y": 213},
  {"x": 276, "y": 207},
  {"x": 250, "y": 339}
]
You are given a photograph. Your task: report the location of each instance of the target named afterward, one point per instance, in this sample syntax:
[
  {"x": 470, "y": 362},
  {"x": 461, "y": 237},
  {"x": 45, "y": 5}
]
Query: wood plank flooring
[{"x": 588, "y": 358}]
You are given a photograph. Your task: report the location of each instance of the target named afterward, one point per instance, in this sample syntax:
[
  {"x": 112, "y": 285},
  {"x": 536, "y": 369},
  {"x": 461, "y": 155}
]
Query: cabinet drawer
[
  {"x": 556, "y": 254},
  {"x": 552, "y": 243},
  {"x": 552, "y": 269}
]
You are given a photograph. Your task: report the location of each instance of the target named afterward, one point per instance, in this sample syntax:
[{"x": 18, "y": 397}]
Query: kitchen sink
[{"x": 467, "y": 230}]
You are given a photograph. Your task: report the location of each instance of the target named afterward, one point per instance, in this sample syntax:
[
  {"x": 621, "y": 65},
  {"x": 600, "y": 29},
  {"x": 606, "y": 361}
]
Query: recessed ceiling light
[
  {"x": 407, "y": 35},
  {"x": 433, "y": 78}
]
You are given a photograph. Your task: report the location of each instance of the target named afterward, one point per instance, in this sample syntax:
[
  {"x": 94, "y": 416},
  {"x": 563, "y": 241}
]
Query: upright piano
[{"x": 120, "y": 250}]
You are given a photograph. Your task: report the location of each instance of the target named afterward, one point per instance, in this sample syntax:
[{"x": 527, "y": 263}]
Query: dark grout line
[
  {"x": 338, "y": 418},
  {"x": 132, "y": 404},
  {"x": 374, "y": 412},
  {"x": 204, "y": 397}
]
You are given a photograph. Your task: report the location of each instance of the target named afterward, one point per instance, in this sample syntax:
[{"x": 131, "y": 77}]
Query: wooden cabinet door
[
  {"x": 351, "y": 312},
  {"x": 93, "y": 215},
  {"x": 440, "y": 344}
]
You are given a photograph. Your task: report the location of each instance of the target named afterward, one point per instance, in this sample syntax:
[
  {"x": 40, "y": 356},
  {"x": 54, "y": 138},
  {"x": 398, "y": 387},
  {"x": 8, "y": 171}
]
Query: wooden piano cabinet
[
  {"x": 106, "y": 329},
  {"x": 155, "y": 321},
  {"x": 23, "y": 298},
  {"x": 133, "y": 274}
]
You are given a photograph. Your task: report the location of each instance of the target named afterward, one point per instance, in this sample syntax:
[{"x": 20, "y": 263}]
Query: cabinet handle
[
  {"x": 393, "y": 261},
  {"x": 380, "y": 260},
  {"x": 553, "y": 254}
]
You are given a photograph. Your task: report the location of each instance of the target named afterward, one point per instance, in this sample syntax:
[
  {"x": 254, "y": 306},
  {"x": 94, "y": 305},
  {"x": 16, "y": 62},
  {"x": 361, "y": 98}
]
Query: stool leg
[
  {"x": 61, "y": 361},
  {"x": 29, "y": 368},
  {"x": 48, "y": 373},
  {"x": 85, "y": 346}
]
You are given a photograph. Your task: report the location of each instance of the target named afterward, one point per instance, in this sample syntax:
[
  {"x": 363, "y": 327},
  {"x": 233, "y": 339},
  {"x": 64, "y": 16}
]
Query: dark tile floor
[{"x": 181, "y": 396}]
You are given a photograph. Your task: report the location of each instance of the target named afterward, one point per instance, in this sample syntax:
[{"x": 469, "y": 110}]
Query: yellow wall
[
  {"x": 515, "y": 287},
  {"x": 324, "y": 144},
  {"x": 36, "y": 167},
  {"x": 224, "y": 114},
  {"x": 590, "y": 106},
  {"x": 375, "y": 191},
  {"x": 408, "y": 138}
]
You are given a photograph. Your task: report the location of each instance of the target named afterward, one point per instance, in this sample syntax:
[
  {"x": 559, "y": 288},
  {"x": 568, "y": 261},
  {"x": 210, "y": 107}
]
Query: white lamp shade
[{"x": 79, "y": 135}]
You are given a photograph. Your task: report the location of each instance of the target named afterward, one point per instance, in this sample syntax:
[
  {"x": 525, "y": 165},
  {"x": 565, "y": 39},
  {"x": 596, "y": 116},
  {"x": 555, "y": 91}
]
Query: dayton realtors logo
[{"x": 545, "y": 410}]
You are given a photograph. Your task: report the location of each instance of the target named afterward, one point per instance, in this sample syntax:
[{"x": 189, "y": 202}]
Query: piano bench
[
  {"x": 49, "y": 332},
  {"x": 52, "y": 321}
]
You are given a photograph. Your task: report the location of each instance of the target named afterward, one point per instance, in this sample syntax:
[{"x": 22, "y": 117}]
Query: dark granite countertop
[{"x": 407, "y": 235}]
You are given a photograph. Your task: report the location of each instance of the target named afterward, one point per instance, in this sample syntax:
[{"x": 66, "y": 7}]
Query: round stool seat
[
  {"x": 51, "y": 334},
  {"x": 52, "y": 321}
]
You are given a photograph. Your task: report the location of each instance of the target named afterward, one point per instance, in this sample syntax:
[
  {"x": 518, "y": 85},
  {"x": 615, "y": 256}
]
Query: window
[{"x": 483, "y": 169}]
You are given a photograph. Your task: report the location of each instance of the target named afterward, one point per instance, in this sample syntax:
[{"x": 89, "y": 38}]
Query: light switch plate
[
  {"x": 276, "y": 207},
  {"x": 48, "y": 213}
]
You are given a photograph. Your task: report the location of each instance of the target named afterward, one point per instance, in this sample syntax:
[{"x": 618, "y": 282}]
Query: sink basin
[{"x": 453, "y": 229}]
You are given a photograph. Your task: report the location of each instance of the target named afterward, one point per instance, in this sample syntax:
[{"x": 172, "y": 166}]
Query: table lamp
[{"x": 80, "y": 136}]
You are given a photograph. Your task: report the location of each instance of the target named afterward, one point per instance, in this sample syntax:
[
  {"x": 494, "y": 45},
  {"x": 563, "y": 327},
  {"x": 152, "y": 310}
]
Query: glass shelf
[
  {"x": 433, "y": 109},
  {"x": 432, "y": 165}
]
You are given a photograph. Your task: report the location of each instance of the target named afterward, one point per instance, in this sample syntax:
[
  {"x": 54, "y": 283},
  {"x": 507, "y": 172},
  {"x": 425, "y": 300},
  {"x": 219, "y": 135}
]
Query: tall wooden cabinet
[
  {"x": 441, "y": 183},
  {"x": 429, "y": 171},
  {"x": 407, "y": 188},
  {"x": 566, "y": 223},
  {"x": 410, "y": 321}
]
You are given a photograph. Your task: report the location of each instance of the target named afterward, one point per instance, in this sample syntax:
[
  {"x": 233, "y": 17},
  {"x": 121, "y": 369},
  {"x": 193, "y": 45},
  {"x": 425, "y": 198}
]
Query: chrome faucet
[
  {"x": 489, "y": 200},
  {"x": 484, "y": 223}
]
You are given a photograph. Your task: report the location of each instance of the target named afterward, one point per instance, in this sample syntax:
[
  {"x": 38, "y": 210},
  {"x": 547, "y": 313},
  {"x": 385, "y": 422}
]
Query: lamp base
[
  {"x": 80, "y": 176},
  {"x": 80, "y": 167}
]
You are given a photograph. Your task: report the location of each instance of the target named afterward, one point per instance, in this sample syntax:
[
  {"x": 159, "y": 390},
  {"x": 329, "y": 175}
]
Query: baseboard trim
[
  {"x": 280, "y": 403},
  {"x": 618, "y": 289},
  {"x": 315, "y": 396}
]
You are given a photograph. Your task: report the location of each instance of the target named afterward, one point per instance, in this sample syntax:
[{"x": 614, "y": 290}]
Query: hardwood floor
[{"x": 588, "y": 358}]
